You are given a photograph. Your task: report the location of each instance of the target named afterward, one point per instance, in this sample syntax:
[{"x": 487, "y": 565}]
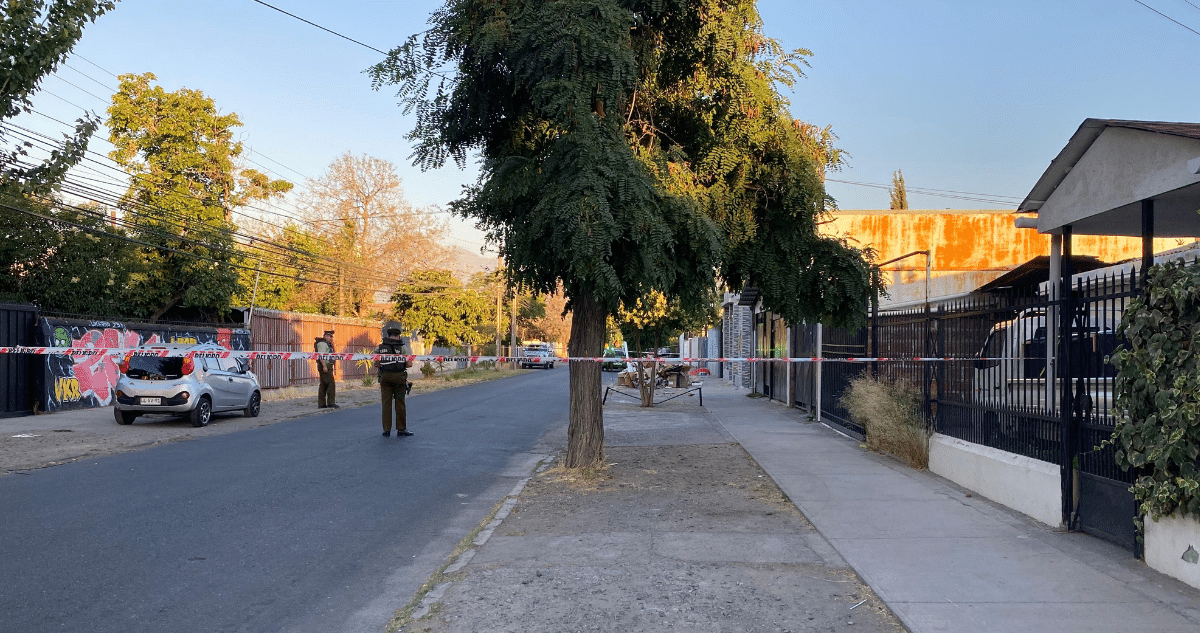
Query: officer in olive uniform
[
  {"x": 327, "y": 391},
  {"x": 393, "y": 379}
]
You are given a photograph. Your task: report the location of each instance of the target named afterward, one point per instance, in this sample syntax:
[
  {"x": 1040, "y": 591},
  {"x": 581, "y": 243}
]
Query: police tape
[{"x": 281, "y": 355}]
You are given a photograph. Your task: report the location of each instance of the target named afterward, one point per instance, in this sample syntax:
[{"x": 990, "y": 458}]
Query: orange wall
[{"x": 968, "y": 245}]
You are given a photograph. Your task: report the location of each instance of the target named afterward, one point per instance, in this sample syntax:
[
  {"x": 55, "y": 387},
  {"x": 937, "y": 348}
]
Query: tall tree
[
  {"x": 897, "y": 192},
  {"x": 35, "y": 37},
  {"x": 375, "y": 236},
  {"x": 435, "y": 307},
  {"x": 180, "y": 153},
  {"x": 630, "y": 146}
]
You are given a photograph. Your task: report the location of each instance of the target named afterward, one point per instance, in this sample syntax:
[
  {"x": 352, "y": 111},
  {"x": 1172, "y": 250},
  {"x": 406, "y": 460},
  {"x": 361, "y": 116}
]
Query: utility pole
[{"x": 499, "y": 296}]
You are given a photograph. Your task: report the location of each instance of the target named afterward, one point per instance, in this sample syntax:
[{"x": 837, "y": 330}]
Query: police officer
[
  {"x": 327, "y": 391},
  {"x": 393, "y": 379}
]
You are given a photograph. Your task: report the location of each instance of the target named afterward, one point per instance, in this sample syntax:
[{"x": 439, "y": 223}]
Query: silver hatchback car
[{"x": 197, "y": 386}]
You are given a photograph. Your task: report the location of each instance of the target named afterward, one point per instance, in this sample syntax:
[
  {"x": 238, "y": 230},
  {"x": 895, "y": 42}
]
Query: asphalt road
[{"x": 312, "y": 525}]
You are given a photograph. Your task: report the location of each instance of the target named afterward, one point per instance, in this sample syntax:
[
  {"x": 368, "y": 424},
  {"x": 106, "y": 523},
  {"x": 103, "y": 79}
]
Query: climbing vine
[{"x": 1158, "y": 391}]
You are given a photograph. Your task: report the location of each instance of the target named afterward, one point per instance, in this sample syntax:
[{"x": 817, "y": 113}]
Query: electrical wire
[
  {"x": 1169, "y": 17},
  {"x": 320, "y": 27},
  {"x": 941, "y": 193}
]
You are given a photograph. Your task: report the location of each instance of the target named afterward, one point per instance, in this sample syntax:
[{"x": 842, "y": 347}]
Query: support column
[{"x": 1147, "y": 237}]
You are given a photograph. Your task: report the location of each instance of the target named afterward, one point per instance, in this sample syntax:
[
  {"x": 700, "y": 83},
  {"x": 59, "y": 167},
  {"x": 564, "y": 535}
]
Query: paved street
[{"x": 315, "y": 524}]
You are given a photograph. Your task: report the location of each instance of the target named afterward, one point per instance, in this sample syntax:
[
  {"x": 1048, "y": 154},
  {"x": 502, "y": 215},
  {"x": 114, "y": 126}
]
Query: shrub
[
  {"x": 1158, "y": 392},
  {"x": 427, "y": 369},
  {"x": 890, "y": 413}
]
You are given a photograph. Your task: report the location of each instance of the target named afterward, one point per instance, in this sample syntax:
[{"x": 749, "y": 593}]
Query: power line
[
  {"x": 942, "y": 193},
  {"x": 1168, "y": 17},
  {"x": 320, "y": 27}
]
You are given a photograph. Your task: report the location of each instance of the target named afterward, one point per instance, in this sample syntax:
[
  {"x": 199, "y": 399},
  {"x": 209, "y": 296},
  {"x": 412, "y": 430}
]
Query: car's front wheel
[
  {"x": 124, "y": 417},
  {"x": 202, "y": 414},
  {"x": 254, "y": 406}
]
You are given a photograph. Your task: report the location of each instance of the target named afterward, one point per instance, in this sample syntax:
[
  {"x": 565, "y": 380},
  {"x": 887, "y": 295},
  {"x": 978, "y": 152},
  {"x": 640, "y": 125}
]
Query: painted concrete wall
[
  {"x": 968, "y": 248},
  {"x": 1167, "y": 541},
  {"x": 1103, "y": 179},
  {"x": 1029, "y": 486}
]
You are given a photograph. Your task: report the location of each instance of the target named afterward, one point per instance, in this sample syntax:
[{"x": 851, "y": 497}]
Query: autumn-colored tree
[
  {"x": 181, "y": 156},
  {"x": 375, "y": 237}
]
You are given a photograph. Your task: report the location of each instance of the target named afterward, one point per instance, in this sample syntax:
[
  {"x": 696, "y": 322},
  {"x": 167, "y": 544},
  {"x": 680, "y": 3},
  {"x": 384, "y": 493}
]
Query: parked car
[
  {"x": 196, "y": 387},
  {"x": 537, "y": 356},
  {"x": 620, "y": 360}
]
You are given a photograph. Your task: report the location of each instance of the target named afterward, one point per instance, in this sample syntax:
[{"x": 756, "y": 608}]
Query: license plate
[{"x": 150, "y": 400}]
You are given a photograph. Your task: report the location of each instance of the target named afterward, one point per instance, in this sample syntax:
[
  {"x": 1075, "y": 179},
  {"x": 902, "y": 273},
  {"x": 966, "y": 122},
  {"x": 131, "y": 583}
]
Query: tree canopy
[
  {"x": 627, "y": 147},
  {"x": 35, "y": 37},
  {"x": 434, "y": 306},
  {"x": 180, "y": 153}
]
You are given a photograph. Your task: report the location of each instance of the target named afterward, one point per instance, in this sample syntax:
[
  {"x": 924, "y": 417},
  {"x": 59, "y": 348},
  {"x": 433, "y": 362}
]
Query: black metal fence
[{"x": 1015, "y": 359}]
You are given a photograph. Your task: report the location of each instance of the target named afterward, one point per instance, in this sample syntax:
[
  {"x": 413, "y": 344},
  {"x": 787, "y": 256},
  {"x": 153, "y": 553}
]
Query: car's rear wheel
[
  {"x": 124, "y": 417},
  {"x": 255, "y": 405},
  {"x": 202, "y": 414}
]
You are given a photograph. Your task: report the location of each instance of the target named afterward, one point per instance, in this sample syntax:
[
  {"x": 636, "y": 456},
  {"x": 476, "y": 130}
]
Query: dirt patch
[
  {"x": 38, "y": 441},
  {"x": 666, "y": 538}
]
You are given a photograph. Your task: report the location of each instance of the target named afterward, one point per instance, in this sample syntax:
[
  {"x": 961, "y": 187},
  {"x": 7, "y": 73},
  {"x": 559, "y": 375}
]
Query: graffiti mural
[{"x": 83, "y": 382}]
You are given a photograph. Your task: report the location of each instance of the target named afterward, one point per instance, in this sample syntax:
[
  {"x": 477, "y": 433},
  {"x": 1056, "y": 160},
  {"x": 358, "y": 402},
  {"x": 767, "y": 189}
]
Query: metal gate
[
  {"x": 1096, "y": 491},
  {"x": 17, "y": 374}
]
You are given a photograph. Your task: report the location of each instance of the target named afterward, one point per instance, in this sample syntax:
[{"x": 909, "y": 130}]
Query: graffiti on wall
[{"x": 80, "y": 382}]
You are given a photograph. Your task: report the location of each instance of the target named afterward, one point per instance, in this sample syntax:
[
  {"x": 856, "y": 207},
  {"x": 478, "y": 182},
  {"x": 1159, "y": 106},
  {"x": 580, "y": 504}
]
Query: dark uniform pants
[
  {"x": 327, "y": 391},
  {"x": 391, "y": 390}
]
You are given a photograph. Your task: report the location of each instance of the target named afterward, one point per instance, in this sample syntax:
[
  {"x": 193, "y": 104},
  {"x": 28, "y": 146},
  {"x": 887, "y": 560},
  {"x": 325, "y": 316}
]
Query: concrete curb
[{"x": 434, "y": 595}]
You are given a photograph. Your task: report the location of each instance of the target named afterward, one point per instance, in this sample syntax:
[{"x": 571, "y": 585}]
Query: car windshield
[
  {"x": 155, "y": 368},
  {"x": 614, "y": 353}
]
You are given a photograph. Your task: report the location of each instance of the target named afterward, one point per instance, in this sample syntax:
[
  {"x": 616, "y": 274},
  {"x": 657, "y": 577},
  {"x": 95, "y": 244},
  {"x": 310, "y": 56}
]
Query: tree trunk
[{"x": 585, "y": 433}]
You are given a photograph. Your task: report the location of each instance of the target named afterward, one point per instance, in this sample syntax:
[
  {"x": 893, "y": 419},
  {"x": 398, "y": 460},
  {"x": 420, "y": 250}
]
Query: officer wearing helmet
[{"x": 393, "y": 379}]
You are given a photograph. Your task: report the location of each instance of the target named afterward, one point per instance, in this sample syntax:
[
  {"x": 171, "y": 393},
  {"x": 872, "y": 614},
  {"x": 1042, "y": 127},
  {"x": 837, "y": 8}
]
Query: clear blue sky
[{"x": 961, "y": 95}]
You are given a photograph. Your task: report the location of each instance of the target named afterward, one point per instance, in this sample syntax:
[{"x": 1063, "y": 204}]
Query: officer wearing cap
[
  {"x": 393, "y": 379},
  {"x": 327, "y": 391}
]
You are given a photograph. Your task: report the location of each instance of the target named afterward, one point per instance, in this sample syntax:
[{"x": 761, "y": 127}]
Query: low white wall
[
  {"x": 1166, "y": 541},
  {"x": 1029, "y": 486}
]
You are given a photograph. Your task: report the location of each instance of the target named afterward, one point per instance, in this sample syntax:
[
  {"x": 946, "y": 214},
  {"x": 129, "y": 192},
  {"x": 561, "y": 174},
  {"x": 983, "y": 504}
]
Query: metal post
[
  {"x": 1147, "y": 237},
  {"x": 1066, "y": 417},
  {"x": 817, "y": 374},
  {"x": 1052, "y": 311}
]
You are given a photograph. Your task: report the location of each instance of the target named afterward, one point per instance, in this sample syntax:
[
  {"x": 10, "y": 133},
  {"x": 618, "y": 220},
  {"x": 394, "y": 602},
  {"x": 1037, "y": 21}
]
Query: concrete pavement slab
[{"x": 945, "y": 560}]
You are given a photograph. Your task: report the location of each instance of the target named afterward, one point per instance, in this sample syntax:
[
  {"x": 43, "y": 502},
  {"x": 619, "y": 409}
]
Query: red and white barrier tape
[{"x": 276, "y": 355}]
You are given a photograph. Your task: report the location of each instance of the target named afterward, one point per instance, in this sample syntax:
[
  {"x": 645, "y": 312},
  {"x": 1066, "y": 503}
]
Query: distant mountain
[{"x": 466, "y": 262}]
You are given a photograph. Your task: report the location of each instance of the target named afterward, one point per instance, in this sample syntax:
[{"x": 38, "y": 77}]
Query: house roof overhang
[
  {"x": 1098, "y": 181},
  {"x": 749, "y": 296},
  {"x": 1035, "y": 271}
]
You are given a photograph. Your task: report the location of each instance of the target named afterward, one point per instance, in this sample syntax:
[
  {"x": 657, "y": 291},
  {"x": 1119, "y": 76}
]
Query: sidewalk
[
  {"x": 941, "y": 559},
  {"x": 662, "y": 547}
]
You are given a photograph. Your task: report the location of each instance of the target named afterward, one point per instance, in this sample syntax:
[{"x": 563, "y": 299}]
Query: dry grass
[{"x": 889, "y": 411}]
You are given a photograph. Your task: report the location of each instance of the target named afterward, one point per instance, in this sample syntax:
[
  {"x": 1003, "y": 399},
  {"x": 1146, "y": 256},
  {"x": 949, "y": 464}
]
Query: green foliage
[
  {"x": 60, "y": 265},
  {"x": 36, "y": 36},
  {"x": 897, "y": 192},
  {"x": 433, "y": 304},
  {"x": 428, "y": 370},
  {"x": 1158, "y": 392},
  {"x": 630, "y": 147},
  {"x": 180, "y": 153},
  {"x": 297, "y": 262}
]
